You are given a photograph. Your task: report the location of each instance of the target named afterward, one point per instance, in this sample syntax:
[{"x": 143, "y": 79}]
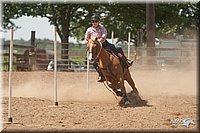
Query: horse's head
[{"x": 93, "y": 48}]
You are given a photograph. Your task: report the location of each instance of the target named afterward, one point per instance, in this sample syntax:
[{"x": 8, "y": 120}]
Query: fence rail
[{"x": 163, "y": 55}]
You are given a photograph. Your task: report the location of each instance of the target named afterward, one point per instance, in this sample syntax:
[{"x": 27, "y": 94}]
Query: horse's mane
[{"x": 95, "y": 40}]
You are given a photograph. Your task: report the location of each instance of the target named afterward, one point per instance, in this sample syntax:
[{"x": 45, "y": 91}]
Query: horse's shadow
[{"x": 135, "y": 101}]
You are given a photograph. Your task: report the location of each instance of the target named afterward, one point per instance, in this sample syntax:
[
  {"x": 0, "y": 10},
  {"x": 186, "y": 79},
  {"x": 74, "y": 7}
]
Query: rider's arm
[
  {"x": 87, "y": 36},
  {"x": 104, "y": 34}
]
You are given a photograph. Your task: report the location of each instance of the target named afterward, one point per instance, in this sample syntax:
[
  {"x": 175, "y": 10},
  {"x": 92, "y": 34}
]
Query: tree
[
  {"x": 73, "y": 19},
  {"x": 176, "y": 18},
  {"x": 66, "y": 17},
  {"x": 124, "y": 18}
]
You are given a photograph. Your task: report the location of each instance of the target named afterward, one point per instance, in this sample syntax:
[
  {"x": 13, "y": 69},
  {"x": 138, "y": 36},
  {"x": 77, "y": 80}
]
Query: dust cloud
[
  {"x": 70, "y": 86},
  {"x": 73, "y": 86}
]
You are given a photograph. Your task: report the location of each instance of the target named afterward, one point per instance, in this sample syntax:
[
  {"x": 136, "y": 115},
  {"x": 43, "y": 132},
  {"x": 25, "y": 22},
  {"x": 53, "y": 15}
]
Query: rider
[{"x": 100, "y": 32}]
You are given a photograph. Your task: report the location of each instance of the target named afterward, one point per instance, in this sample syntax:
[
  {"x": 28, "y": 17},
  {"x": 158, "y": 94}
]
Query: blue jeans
[{"x": 113, "y": 48}]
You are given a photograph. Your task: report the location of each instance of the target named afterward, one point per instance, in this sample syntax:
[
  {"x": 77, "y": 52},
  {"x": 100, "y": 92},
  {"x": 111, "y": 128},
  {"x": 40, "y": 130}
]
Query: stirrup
[
  {"x": 129, "y": 62},
  {"x": 100, "y": 79}
]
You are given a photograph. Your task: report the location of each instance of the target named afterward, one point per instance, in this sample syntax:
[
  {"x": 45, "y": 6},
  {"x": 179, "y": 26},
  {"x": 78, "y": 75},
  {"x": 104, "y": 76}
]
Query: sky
[{"x": 41, "y": 25}]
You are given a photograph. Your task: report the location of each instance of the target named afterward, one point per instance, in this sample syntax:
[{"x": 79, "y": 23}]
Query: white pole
[
  {"x": 112, "y": 37},
  {"x": 88, "y": 67},
  {"x": 55, "y": 68},
  {"x": 129, "y": 42},
  {"x": 10, "y": 77}
]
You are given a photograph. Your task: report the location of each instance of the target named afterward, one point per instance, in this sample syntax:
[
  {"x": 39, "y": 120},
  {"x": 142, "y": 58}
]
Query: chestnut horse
[{"x": 113, "y": 71}]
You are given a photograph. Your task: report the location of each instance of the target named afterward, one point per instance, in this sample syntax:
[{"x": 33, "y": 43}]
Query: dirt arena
[{"x": 166, "y": 98}]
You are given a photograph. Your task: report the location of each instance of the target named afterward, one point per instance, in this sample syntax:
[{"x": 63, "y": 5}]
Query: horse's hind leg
[{"x": 129, "y": 79}]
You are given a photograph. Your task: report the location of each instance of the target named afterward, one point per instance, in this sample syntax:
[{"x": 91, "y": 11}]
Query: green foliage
[
  {"x": 176, "y": 18},
  {"x": 72, "y": 19},
  {"x": 124, "y": 18}
]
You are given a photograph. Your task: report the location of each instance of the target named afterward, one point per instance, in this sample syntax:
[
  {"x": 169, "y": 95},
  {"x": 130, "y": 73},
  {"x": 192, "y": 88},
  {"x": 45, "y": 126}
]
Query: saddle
[{"x": 116, "y": 55}]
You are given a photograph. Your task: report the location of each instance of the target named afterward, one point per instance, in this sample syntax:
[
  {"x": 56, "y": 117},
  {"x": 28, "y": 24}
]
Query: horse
[{"x": 112, "y": 69}]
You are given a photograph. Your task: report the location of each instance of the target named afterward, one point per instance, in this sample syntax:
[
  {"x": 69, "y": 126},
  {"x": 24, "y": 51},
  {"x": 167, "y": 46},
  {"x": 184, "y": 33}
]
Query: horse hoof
[
  {"x": 119, "y": 93},
  {"x": 127, "y": 103}
]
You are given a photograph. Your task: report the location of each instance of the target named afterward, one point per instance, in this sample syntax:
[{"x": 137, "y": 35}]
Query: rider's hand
[{"x": 100, "y": 39}]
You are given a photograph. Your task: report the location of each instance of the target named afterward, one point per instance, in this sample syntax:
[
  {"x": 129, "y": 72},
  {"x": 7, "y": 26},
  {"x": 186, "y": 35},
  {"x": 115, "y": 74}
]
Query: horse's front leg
[
  {"x": 123, "y": 91},
  {"x": 126, "y": 101}
]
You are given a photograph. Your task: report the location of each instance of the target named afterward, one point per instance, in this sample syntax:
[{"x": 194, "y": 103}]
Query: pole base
[
  {"x": 10, "y": 120},
  {"x": 56, "y": 103}
]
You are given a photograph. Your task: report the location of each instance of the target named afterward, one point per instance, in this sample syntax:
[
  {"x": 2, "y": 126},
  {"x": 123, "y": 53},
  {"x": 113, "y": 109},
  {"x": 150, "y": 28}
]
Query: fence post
[
  {"x": 140, "y": 34},
  {"x": 32, "y": 53},
  {"x": 129, "y": 43},
  {"x": 150, "y": 22},
  {"x": 112, "y": 36}
]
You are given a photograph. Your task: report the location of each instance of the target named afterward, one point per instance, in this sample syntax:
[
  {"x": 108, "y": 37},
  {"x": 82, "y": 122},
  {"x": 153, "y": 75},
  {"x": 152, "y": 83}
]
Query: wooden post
[
  {"x": 140, "y": 34},
  {"x": 32, "y": 52},
  {"x": 150, "y": 22},
  {"x": 129, "y": 43},
  {"x": 112, "y": 36}
]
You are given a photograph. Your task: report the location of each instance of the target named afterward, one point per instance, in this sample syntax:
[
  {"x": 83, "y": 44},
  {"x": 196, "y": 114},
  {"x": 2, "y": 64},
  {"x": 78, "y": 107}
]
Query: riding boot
[
  {"x": 129, "y": 62},
  {"x": 126, "y": 62},
  {"x": 101, "y": 77}
]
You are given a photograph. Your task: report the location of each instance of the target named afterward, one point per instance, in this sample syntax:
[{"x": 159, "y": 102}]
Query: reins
[
  {"x": 99, "y": 50},
  {"x": 108, "y": 88}
]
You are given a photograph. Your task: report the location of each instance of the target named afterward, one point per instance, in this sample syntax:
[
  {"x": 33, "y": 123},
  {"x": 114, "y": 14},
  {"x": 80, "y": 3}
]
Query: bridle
[{"x": 90, "y": 51}]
